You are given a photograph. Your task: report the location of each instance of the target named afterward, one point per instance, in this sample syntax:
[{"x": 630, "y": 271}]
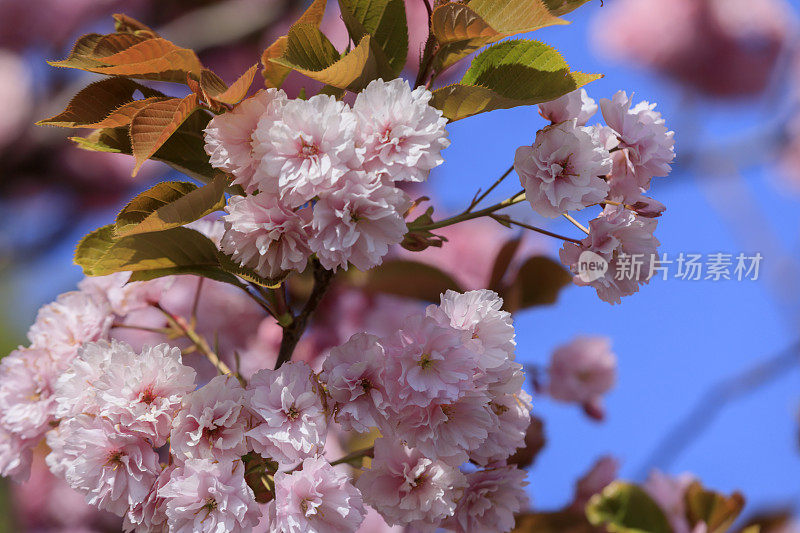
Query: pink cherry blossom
[
  {"x": 627, "y": 245},
  {"x": 403, "y": 135},
  {"x": 204, "y": 495},
  {"x": 114, "y": 470},
  {"x": 27, "y": 405},
  {"x": 409, "y": 489},
  {"x": 358, "y": 221},
  {"x": 141, "y": 393},
  {"x": 512, "y": 417},
  {"x": 642, "y": 130},
  {"x": 74, "y": 392},
  {"x": 316, "y": 499},
  {"x": 291, "y": 419},
  {"x": 561, "y": 171},
  {"x": 602, "y": 473},
  {"x": 265, "y": 235},
  {"x": 73, "y": 319},
  {"x": 122, "y": 296},
  {"x": 490, "y": 502},
  {"x": 427, "y": 362},
  {"x": 16, "y": 456},
  {"x": 575, "y": 105},
  {"x": 489, "y": 330},
  {"x": 229, "y": 136},
  {"x": 354, "y": 378},
  {"x": 668, "y": 492},
  {"x": 305, "y": 149},
  {"x": 582, "y": 371},
  {"x": 150, "y": 516},
  {"x": 212, "y": 422}
]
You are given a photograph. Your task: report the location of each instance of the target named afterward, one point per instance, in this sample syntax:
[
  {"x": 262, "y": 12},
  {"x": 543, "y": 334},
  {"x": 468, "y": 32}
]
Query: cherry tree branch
[{"x": 293, "y": 331}]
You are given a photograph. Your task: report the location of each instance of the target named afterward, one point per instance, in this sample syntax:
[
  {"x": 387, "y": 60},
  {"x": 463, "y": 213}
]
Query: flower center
[
  {"x": 115, "y": 458},
  {"x": 425, "y": 362},
  {"x": 292, "y": 413},
  {"x": 308, "y": 149},
  {"x": 148, "y": 396}
]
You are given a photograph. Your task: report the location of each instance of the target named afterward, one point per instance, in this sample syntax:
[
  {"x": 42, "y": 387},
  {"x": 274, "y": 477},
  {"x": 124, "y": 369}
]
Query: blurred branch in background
[{"x": 710, "y": 404}]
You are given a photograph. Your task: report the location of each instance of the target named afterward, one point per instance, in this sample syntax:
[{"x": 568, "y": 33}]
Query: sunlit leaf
[
  {"x": 716, "y": 511},
  {"x": 153, "y": 125},
  {"x": 96, "y": 103},
  {"x": 509, "y": 74},
  {"x": 219, "y": 92},
  {"x": 275, "y": 74},
  {"x": 385, "y": 21},
  {"x": 625, "y": 508},
  {"x": 310, "y": 53},
  {"x": 461, "y": 29},
  {"x": 169, "y": 205},
  {"x": 125, "y": 23},
  {"x": 562, "y": 7}
]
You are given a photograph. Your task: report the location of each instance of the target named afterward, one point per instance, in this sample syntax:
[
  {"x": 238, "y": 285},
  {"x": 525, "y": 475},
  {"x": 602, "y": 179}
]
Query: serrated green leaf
[
  {"x": 385, "y": 21},
  {"x": 169, "y": 205},
  {"x": 310, "y": 53},
  {"x": 625, "y": 508},
  {"x": 164, "y": 253},
  {"x": 510, "y": 74},
  {"x": 461, "y": 29}
]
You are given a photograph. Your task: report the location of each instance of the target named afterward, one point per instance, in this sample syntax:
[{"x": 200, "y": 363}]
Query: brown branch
[{"x": 294, "y": 331}]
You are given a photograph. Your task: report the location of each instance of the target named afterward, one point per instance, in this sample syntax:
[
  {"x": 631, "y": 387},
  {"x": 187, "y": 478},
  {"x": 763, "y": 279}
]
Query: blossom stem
[
  {"x": 199, "y": 342},
  {"x": 466, "y": 215},
  {"x": 355, "y": 456},
  {"x": 576, "y": 223},
  {"x": 479, "y": 199},
  {"x": 537, "y": 230},
  {"x": 293, "y": 331}
]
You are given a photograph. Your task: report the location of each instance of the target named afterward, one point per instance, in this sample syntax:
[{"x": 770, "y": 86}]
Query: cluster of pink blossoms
[
  {"x": 319, "y": 175},
  {"x": 130, "y": 431},
  {"x": 572, "y": 166}
]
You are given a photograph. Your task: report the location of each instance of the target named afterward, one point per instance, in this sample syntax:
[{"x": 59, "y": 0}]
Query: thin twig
[
  {"x": 479, "y": 199},
  {"x": 359, "y": 454},
  {"x": 199, "y": 342},
  {"x": 712, "y": 402},
  {"x": 534, "y": 228},
  {"x": 293, "y": 331},
  {"x": 517, "y": 198},
  {"x": 576, "y": 223}
]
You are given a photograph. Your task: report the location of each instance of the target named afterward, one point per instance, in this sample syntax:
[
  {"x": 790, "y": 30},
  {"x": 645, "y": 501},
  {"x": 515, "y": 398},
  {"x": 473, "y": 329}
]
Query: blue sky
[{"x": 675, "y": 338}]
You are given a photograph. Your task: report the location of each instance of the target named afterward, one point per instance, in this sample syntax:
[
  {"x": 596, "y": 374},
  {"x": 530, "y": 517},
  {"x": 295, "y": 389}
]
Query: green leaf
[
  {"x": 716, "y": 511},
  {"x": 539, "y": 282},
  {"x": 625, "y": 508},
  {"x": 461, "y": 29},
  {"x": 385, "y": 21},
  {"x": 510, "y": 74},
  {"x": 169, "y": 205},
  {"x": 163, "y": 253},
  {"x": 562, "y": 7},
  {"x": 409, "y": 279},
  {"x": 274, "y": 74},
  {"x": 184, "y": 150},
  {"x": 310, "y": 53}
]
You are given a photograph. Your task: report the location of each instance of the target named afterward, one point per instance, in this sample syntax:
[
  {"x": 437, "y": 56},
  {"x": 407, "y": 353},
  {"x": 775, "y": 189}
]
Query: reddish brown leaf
[
  {"x": 82, "y": 54},
  {"x": 274, "y": 74},
  {"x": 153, "y": 125},
  {"x": 116, "y": 42},
  {"x": 152, "y": 59},
  {"x": 216, "y": 90},
  {"x": 96, "y": 102}
]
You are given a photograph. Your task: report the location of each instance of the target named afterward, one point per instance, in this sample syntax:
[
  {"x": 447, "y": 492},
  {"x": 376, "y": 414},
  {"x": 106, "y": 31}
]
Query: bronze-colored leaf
[
  {"x": 152, "y": 59},
  {"x": 502, "y": 262},
  {"x": 539, "y": 282},
  {"x": 153, "y": 125},
  {"x": 717, "y": 511},
  {"x": 127, "y": 24},
  {"x": 409, "y": 279},
  {"x": 96, "y": 102},
  {"x": 216, "y": 90},
  {"x": 554, "y": 522}
]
